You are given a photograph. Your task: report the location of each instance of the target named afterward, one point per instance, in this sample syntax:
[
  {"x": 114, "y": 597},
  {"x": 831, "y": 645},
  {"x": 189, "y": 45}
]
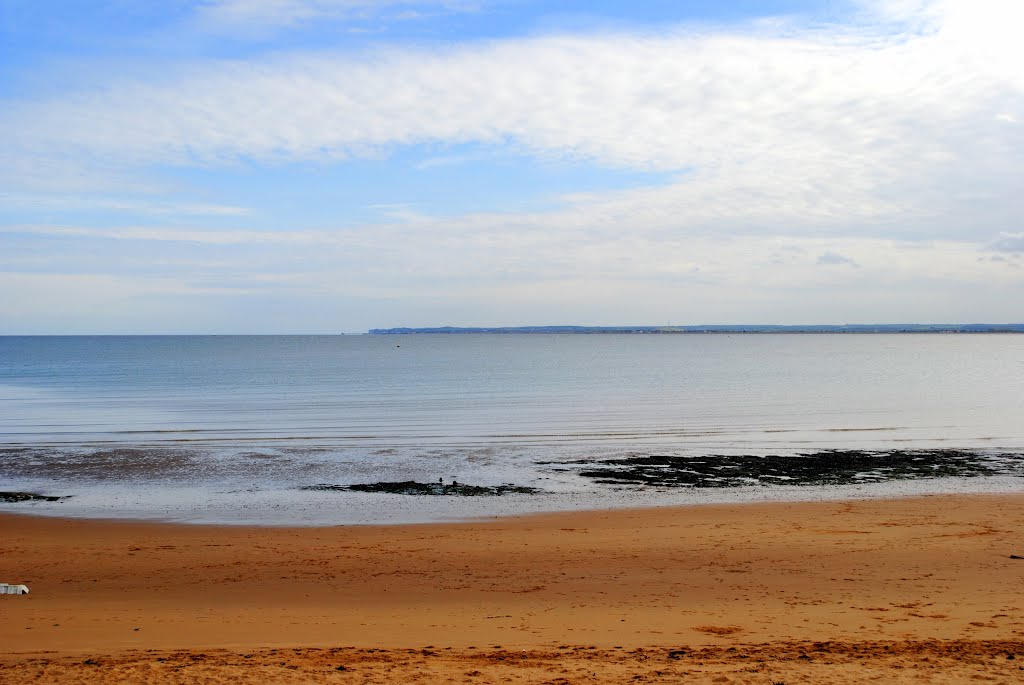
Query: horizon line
[{"x": 690, "y": 328}]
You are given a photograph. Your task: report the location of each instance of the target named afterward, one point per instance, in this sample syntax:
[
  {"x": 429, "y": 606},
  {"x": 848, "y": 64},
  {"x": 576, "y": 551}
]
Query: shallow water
[{"x": 251, "y": 419}]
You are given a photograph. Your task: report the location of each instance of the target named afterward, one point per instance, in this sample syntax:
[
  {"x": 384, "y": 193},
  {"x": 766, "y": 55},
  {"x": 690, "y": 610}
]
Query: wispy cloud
[
  {"x": 489, "y": 248},
  {"x": 171, "y": 234},
  {"x": 830, "y": 258},
  {"x": 145, "y": 205},
  {"x": 260, "y": 16},
  {"x": 495, "y": 269},
  {"x": 1009, "y": 242}
]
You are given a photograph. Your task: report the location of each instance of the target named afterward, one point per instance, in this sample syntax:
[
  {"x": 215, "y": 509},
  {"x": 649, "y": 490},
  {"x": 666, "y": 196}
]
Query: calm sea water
[{"x": 225, "y": 414}]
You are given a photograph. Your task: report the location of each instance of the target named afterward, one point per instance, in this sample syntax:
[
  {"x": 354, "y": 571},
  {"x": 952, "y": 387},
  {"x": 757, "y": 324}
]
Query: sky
[{"x": 327, "y": 166}]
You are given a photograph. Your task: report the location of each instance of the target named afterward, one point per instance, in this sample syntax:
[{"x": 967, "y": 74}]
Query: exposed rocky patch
[
  {"x": 829, "y": 467},
  {"x": 411, "y": 487},
  {"x": 30, "y": 497}
]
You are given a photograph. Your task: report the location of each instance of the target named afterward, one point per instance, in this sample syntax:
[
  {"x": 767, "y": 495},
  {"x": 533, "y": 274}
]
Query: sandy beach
[{"x": 902, "y": 590}]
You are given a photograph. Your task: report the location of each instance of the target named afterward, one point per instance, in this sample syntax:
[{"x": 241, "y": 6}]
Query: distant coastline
[{"x": 844, "y": 328}]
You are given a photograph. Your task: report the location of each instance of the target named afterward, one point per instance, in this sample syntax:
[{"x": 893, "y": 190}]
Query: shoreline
[
  {"x": 1013, "y": 488},
  {"x": 304, "y": 508}
]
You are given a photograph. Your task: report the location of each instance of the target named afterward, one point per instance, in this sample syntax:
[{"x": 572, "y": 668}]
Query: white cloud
[{"x": 814, "y": 128}]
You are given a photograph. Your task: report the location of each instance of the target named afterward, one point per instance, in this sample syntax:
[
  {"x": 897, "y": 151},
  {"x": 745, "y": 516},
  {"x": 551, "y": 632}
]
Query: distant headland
[{"x": 843, "y": 328}]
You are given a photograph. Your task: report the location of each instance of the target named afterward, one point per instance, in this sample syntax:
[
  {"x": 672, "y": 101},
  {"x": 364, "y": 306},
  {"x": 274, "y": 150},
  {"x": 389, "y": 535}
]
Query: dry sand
[{"x": 908, "y": 590}]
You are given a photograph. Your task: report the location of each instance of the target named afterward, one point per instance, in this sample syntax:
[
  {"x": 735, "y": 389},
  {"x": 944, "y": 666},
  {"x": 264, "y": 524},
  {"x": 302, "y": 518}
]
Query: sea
[{"x": 276, "y": 430}]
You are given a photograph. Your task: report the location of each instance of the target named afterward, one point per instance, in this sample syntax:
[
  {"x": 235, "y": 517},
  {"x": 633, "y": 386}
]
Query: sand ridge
[{"x": 775, "y": 663}]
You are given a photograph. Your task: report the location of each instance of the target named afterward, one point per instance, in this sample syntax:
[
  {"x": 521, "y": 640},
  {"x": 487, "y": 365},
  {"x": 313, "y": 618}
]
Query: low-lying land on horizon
[{"x": 739, "y": 328}]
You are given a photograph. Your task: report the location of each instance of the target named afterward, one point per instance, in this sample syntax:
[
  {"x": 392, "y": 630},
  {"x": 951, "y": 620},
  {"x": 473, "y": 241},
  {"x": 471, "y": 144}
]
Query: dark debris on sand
[
  {"x": 828, "y": 467},
  {"x": 30, "y": 497},
  {"x": 411, "y": 487}
]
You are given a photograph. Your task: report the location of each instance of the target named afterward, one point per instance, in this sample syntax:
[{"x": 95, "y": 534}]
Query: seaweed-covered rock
[
  {"x": 828, "y": 467},
  {"x": 29, "y": 497},
  {"x": 411, "y": 487}
]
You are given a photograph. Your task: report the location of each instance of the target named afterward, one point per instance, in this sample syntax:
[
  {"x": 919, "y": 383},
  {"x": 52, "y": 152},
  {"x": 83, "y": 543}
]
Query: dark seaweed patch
[
  {"x": 411, "y": 487},
  {"x": 29, "y": 497},
  {"x": 829, "y": 467}
]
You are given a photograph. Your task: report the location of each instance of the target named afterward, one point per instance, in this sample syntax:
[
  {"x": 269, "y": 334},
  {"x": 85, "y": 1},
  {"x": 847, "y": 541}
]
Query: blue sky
[{"x": 292, "y": 166}]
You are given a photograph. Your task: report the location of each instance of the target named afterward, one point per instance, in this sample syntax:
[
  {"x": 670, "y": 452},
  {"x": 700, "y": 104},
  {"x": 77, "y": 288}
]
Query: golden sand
[{"x": 905, "y": 590}]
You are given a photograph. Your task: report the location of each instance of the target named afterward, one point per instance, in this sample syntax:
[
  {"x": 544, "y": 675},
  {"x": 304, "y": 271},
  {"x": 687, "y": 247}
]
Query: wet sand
[{"x": 914, "y": 590}]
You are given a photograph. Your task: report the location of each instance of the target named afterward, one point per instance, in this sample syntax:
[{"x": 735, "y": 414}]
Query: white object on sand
[{"x": 7, "y": 589}]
